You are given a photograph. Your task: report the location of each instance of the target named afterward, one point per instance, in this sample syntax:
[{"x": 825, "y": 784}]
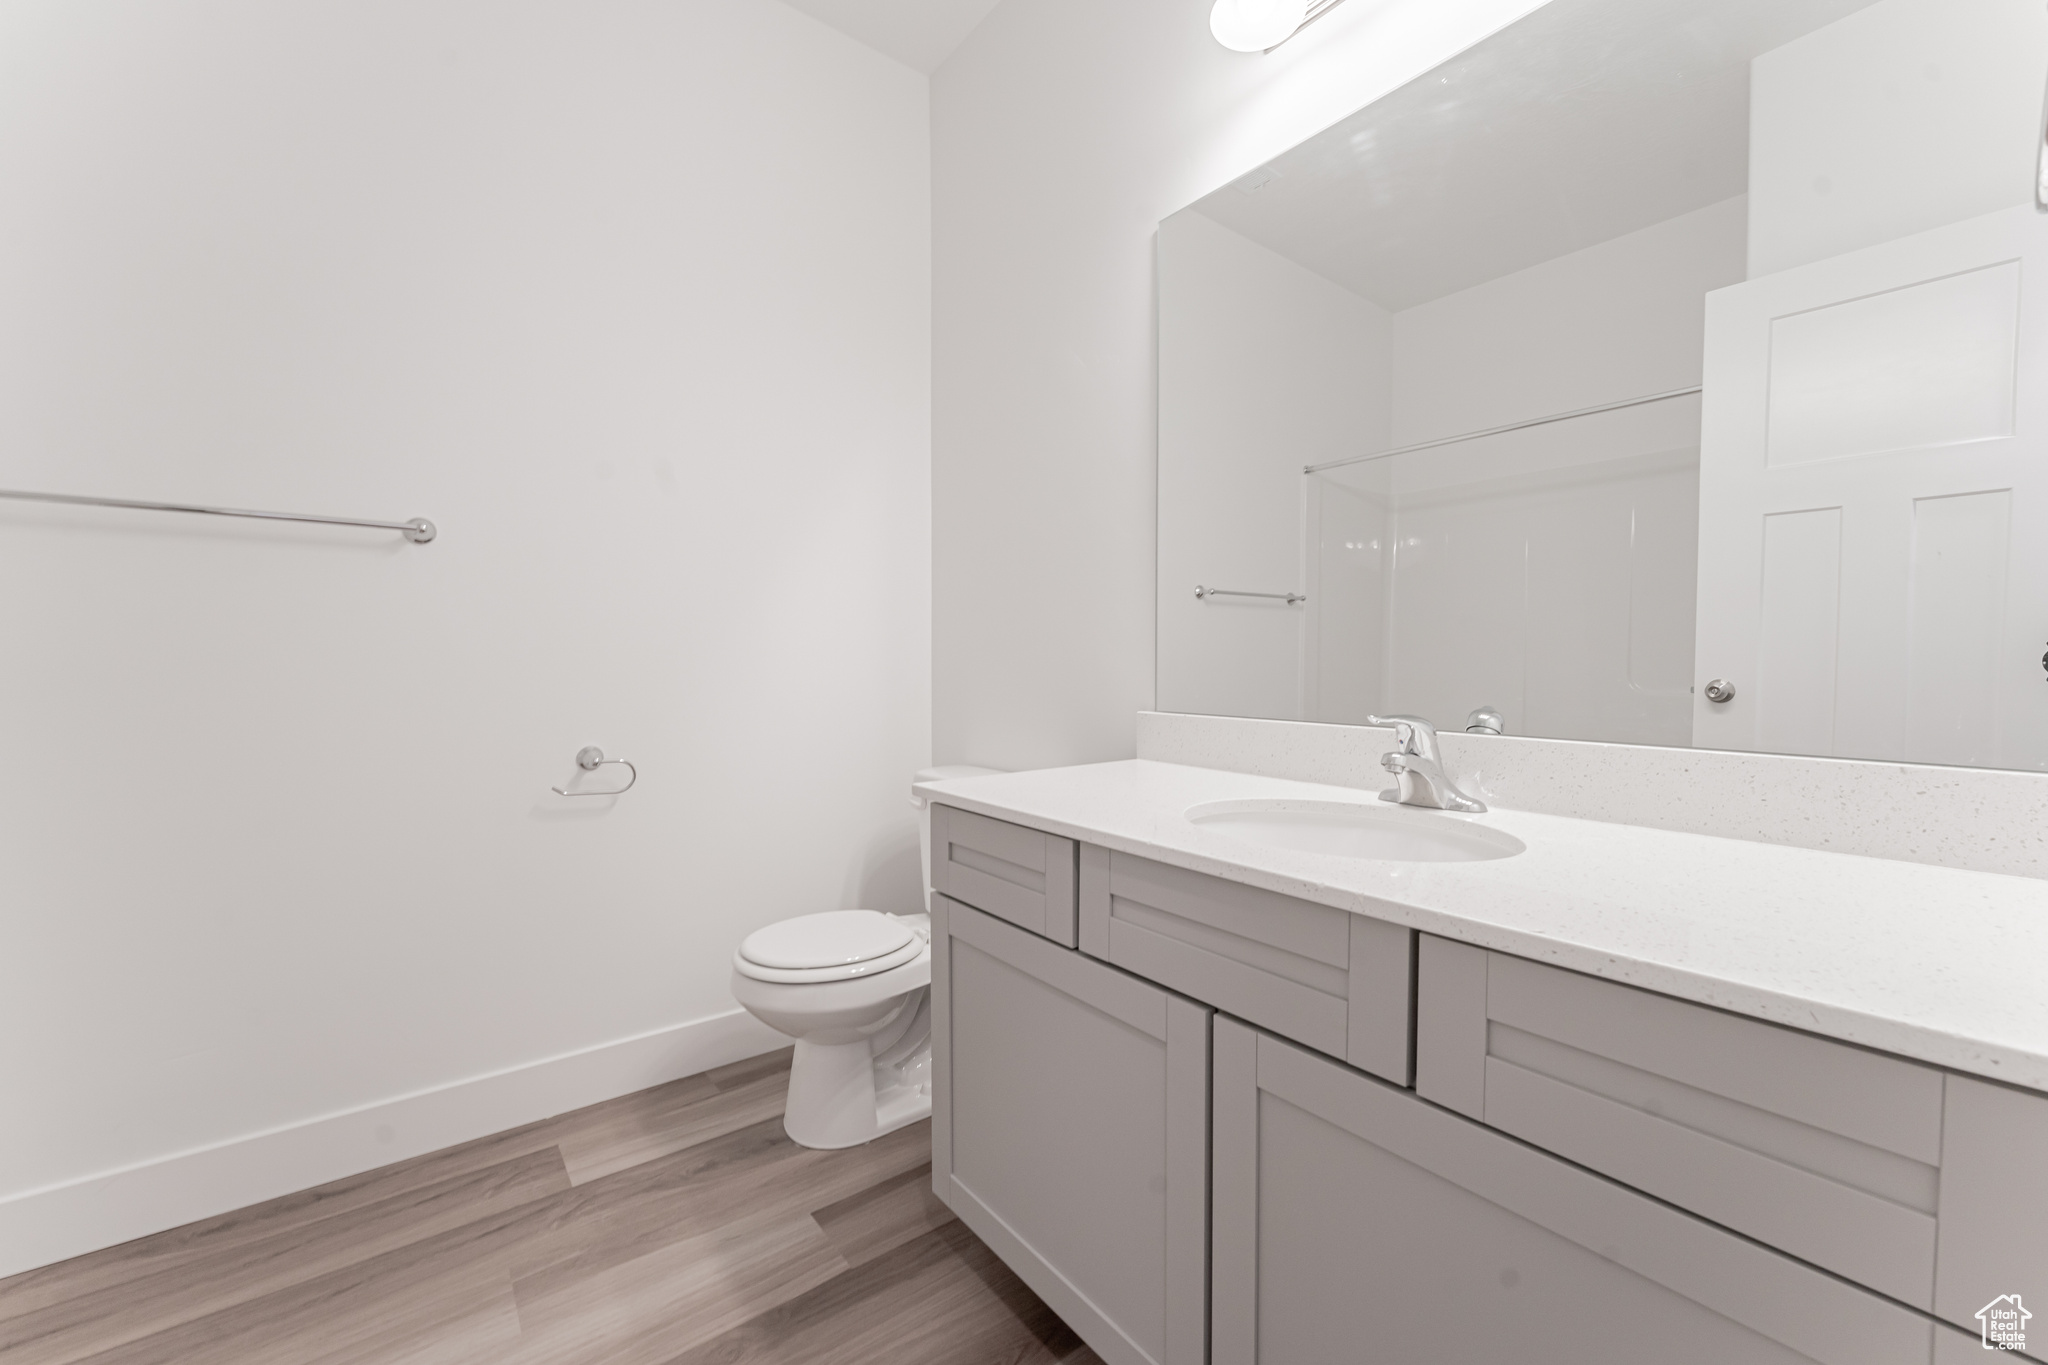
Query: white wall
[
  {"x": 1063, "y": 132},
  {"x": 1264, "y": 366},
  {"x": 1618, "y": 320},
  {"x": 631, "y": 299},
  {"x": 1902, "y": 117}
]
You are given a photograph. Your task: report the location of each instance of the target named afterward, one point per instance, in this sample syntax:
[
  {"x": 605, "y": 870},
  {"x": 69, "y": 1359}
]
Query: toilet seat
[{"x": 835, "y": 946}]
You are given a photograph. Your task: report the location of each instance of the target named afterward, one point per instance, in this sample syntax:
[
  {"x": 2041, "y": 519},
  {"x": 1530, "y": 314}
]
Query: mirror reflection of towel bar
[{"x": 1290, "y": 598}]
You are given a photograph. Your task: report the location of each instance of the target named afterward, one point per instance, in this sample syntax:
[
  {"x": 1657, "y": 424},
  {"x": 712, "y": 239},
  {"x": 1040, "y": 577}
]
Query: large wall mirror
[{"x": 1646, "y": 345}]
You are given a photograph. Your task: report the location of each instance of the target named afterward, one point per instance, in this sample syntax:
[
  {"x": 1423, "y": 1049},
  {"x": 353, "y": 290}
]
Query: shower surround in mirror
[{"x": 1818, "y": 210}]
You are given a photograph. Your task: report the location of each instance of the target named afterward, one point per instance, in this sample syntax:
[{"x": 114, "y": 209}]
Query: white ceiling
[
  {"x": 1585, "y": 120},
  {"x": 918, "y": 33}
]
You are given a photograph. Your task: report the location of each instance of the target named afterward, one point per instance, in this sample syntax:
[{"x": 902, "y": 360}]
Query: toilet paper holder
[{"x": 590, "y": 758}]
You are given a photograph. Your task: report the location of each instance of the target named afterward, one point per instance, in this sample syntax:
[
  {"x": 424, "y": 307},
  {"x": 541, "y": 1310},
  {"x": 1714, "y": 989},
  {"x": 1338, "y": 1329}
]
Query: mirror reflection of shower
[{"x": 1550, "y": 566}]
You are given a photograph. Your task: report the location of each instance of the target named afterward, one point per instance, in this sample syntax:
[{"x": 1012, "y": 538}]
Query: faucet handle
[{"x": 1415, "y": 734}]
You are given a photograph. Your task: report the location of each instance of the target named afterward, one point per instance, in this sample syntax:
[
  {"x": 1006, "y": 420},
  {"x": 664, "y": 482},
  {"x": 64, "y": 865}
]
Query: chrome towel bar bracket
[
  {"x": 418, "y": 530},
  {"x": 1290, "y": 598},
  {"x": 590, "y": 758}
]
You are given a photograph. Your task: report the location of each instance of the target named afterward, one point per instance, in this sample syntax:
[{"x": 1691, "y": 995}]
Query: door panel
[
  {"x": 1799, "y": 631},
  {"x": 1925, "y": 366}
]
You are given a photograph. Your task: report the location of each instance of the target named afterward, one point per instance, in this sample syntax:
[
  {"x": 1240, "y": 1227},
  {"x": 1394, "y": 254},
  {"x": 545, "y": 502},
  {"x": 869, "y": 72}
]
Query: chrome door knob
[{"x": 1720, "y": 690}]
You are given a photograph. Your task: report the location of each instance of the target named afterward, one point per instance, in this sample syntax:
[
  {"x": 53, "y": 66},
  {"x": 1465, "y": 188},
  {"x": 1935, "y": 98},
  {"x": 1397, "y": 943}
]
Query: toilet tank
[{"x": 924, "y": 812}]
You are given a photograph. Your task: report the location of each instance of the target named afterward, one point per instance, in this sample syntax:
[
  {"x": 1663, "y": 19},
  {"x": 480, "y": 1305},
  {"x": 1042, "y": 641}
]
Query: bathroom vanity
[{"x": 1219, "y": 1089}]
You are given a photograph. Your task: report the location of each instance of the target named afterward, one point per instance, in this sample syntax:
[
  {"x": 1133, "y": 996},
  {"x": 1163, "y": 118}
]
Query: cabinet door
[
  {"x": 1070, "y": 1132},
  {"x": 1994, "y": 1205},
  {"x": 1354, "y": 1221}
]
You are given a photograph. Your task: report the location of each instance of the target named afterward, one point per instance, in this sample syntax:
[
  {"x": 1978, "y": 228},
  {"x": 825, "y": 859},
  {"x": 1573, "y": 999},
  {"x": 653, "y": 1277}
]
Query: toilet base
[{"x": 844, "y": 1094}]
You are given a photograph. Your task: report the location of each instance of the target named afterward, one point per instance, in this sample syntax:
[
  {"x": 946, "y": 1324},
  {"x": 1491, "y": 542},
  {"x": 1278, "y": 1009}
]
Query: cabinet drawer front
[
  {"x": 1070, "y": 1132},
  {"x": 1336, "y": 981},
  {"x": 1006, "y": 870},
  {"x": 1823, "y": 1150},
  {"x": 1502, "y": 1252}
]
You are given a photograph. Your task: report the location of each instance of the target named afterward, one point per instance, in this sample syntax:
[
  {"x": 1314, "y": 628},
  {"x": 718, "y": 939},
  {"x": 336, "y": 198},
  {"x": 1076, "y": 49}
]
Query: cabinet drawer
[
  {"x": 1341, "y": 983},
  {"x": 1824, "y": 1150},
  {"x": 1347, "y": 1211},
  {"x": 1006, "y": 870}
]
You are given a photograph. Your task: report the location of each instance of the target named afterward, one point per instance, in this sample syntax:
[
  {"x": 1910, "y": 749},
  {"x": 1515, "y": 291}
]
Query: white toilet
[{"x": 853, "y": 988}]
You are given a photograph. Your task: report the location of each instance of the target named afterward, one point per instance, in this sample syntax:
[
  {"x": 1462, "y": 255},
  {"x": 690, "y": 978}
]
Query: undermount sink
[{"x": 1348, "y": 829}]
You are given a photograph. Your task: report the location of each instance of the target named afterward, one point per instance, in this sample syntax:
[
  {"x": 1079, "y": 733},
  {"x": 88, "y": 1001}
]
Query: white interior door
[{"x": 1873, "y": 504}]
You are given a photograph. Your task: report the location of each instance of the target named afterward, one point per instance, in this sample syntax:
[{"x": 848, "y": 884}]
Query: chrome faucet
[{"x": 1419, "y": 768}]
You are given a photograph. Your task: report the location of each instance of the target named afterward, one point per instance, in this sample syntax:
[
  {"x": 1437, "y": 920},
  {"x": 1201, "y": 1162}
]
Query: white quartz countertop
[{"x": 1946, "y": 966}]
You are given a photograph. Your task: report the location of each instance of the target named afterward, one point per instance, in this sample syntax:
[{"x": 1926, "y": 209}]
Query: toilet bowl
[{"x": 853, "y": 988}]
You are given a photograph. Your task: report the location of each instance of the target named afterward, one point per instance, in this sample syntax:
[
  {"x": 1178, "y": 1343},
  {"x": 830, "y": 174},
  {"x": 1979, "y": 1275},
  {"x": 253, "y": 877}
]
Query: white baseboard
[{"x": 39, "y": 1227}]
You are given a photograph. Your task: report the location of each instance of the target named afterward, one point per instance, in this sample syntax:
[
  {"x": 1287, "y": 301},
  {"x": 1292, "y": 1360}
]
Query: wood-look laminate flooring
[{"x": 677, "y": 1226}]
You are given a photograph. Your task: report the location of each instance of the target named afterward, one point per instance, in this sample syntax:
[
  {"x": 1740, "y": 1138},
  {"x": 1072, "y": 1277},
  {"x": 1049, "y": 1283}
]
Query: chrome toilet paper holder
[{"x": 590, "y": 758}]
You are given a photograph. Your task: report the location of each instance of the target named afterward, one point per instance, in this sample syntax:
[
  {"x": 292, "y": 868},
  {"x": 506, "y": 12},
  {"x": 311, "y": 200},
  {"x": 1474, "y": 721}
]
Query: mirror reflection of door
[
  {"x": 1648, "y": 342},
  {"x": 1874, "y": 507}
]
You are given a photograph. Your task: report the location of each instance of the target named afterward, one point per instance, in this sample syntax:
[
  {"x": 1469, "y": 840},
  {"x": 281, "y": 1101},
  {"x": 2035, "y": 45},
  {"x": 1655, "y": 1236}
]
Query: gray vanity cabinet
[
  {"x": 1353, "y": 1221},
  {"x": 1070, "y": 1131},
  {"x": 1174, "y": 1104}
]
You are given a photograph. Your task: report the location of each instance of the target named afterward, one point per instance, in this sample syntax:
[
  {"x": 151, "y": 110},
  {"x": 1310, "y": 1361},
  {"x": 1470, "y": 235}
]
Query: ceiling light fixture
[{"x": 1262, "y": 25}]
